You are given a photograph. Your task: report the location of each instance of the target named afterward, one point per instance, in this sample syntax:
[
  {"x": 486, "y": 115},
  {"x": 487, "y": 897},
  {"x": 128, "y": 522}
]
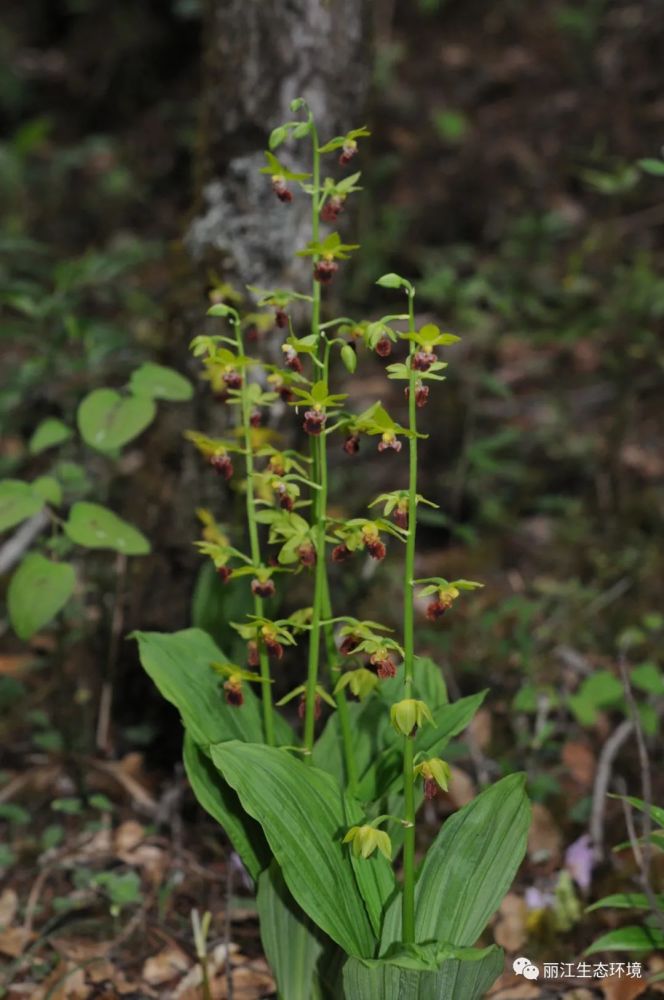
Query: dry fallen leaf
[
  {"x": 14, "y": 940},
  {"x": 66, "y": 982},
  {"x": 8, "y": 907},
  {"x": 622, "y": 987},
  {"x": 510, "y": 987},
  {"x": 544, "y": 839},
  {"x": 510, "y": 930},
  {"x": 128, "y": 836},
  {"x": 580, "y": 761},
  {"x": 170, "y": 962},
  {"x": 461, "y": 789},
  {"x": 480, "y": 728}
]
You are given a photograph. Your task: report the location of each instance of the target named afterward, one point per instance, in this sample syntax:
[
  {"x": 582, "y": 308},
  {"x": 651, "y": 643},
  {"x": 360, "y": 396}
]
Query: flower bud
[
  {"x": 272, "y": 644},
  {"x": 364, "y": 840},
  {"x": 281, "y": 318},
  {"x": 349, "y": 644},
  {"x": 383, "y": 347},
  {"x": 436, "y": 775},
  {"x": 340, "y": 553},
  {"x": 421, "y": 394},
  {"x": 256, "y": 418},
  {"x": 441, "y": 602},
  {"x": 224, "y": 573},
  {"x": 409, "y": 715}
]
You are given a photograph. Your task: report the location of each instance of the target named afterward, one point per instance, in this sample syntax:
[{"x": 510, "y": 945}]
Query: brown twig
[
  {"x": 117, "y": 625},
  {"x": 607, "y": 756}
]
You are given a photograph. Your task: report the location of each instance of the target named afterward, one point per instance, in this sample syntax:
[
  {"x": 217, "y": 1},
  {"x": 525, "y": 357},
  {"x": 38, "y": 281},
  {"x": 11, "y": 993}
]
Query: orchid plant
[{"x": 324, "y": 812}]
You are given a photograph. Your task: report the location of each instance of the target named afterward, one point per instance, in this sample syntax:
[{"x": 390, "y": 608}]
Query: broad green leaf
[
  {"x": 304, "y": 817},
  {"x": 652, "y": 166},
  {"x": 599, "y": 690},
  {"x": 436, "y": 972},
  {"x": 49, "y": 489},
  {"x": 624, "y": 901},
  {"x": 179, "y": 664},
  {"x": 648, "y": 677},
  {"x": 48, "y": 434},
  {"x": 97, "y": 527},
  {"x": 38, "y": 590},
  {"x": 159, "y": 382},
  {"x": 293, "y": 945},
  {"x": 469, "y": 867},
  {"x": 107, "y": 420},
  {"x": 218, "y": 799},
  {"x": 18, "y": 502},
  {"x": 630, "y": 938}
]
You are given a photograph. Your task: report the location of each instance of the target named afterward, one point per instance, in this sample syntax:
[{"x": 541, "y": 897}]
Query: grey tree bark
[{"x": 260, "y": 55}]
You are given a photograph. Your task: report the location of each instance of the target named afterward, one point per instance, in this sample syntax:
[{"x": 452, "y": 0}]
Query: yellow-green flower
[
  {"x": 408, "y": 715},
  {"x": 365, "y": 839},
  {"x": 436, "y": 774}
]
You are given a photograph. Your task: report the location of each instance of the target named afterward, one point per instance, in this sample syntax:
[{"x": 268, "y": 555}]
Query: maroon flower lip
[
  {"x": 324, "y": 270},
  {"x": 222, "y": 465},
  {"x": 314, "y": 422},
  {"x": 262, "y": 588}
]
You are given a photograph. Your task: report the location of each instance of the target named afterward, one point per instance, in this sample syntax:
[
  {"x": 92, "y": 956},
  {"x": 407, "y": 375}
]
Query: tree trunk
[{"x": 260, "y": 55}]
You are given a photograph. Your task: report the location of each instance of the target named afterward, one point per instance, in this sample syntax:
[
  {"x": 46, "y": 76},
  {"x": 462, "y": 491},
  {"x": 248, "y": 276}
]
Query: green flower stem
[
  {"x": 254, "y": 545},
  {"x": 408, "y": 908},
  {"x": 319, "y": 473},
  {"x": 340, "y": 698}
]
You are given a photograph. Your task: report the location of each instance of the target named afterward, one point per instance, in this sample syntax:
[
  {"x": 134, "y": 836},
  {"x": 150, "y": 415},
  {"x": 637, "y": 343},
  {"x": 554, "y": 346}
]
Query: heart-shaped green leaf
[
  {"x": 97, "y": 527},
  {"x": 49, "y": 433},
  {"x": 38, "y": 590},
  {"x": 159, "y": 382},
  {"x": 17, "y": 502},
  {"x": 107, "y": 420},
  {"x": 49, "y": 489}
]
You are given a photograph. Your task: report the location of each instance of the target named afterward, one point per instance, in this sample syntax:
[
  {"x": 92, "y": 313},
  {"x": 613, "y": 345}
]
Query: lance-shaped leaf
[
  {"x": 293, "y": 944},
  {"x": 433, "y": 972},
  {"x": 304, "y": 816},
  {"x": 38, "y": 590},
  {"x": 218, "y": 799},
  {"x": 469, "y": 867},
  {"x": 179, "y": 664}
]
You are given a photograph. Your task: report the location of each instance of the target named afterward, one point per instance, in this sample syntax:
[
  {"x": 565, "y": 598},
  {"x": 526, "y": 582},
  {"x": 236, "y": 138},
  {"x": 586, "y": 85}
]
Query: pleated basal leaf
[
  {"x": 469, "y": 867},
  {"x": 304, "y": 815}
]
